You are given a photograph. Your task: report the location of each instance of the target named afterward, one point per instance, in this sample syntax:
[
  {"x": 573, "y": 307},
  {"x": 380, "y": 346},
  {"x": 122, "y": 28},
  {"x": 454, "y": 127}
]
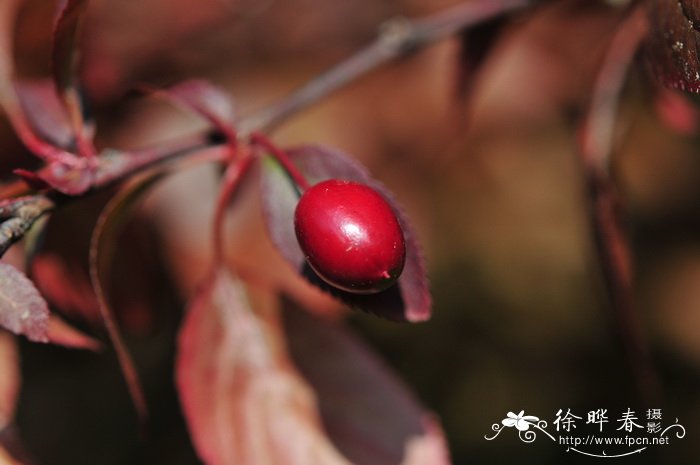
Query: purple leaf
[
  {"x": 22, "y": 309},
  {"x": 45, "y": 112},
  {"x": 63, "y": 334},
  {"x": 10, "y": 101},
  {"x": 103, "y": 246},
  {"x": 72, "y": 178},
  {"x": 674, "y": 42},
  {"x": 31, "y": 179},
  {"x": 64, "y": 66},
  {"x": 242, "y": 398},
  {"x": 409, "y": 299},
  {"x": 10, "y": 380},
  {"x": 8, "y": 459},
  {"x": 65, "y": 37},
  {"x": 205, "y": 99},
  {"x": 13, "y": 451},
  {"x": 368, "y": 413},
  {"x": 65, "y": 286}
]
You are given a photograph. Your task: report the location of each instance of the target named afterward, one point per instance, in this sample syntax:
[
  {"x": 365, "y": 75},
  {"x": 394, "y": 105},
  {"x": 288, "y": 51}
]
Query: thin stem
[
  {"x": 283, "y": 158},
  {"x": 116, "y": 166},
  {"x": 398, "y": 38},
  {"x": 610, "y": 235}
]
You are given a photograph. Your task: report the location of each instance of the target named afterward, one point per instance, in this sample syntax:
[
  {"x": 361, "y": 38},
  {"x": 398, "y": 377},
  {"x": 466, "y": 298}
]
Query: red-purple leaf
[
  {"x": 241, "y": 397},
  {"x": 674, "y": 43},
  {"x": 368, "y": 413},
  {"x": 409, "y": 299},
  {"x": 206, "y": 100},
  {"x": 65, "y": 71},
  {"x": 103, "y": 246},
  {"x": 63, "y": 334},
  {"x": 12, "y": 449},
  {"x": 7, "y": 459},
  {"x": 9, "y": 99},
  {"x": 10, "y": 379},
  {"x": 32, "y": 179},
  {"x": 45, "y": 112},
  {"x": 72, "y": 178},
  {"x": 65, "y": 37},
  {"x": 67, "y": 288},
  {"x": 22, "y": 309}
]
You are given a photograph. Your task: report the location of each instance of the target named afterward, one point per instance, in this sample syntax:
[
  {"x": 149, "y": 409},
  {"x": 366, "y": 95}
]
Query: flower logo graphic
[
  {"x": 520, "y": 421},
  {"x": 529, "y": 427}
]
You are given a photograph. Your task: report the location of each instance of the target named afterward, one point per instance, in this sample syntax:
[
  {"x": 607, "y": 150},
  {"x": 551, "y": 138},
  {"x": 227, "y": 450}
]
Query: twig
[
  {"x": 18, "y": 216},
  {"x": 398, "y": 38},
  {"x": 610, "y": 236}
]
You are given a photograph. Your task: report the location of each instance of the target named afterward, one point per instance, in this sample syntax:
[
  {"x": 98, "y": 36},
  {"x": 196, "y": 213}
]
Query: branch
[
  {"x": 397, "y": 38},
  {"x": 606, "y": 219},
  {"x": 18, "y": 215}
]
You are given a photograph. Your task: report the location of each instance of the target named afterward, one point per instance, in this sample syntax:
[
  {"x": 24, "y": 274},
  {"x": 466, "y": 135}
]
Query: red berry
[{"x": 350, "y": 236}]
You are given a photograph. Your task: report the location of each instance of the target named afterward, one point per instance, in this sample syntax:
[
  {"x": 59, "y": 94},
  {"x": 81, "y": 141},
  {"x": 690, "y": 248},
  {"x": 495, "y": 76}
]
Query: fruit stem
[{"x": 282, "y": 157}]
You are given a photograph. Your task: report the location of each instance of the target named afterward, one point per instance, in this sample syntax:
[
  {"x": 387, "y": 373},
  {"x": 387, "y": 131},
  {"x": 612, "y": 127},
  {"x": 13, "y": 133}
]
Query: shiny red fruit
[{"x": 350, "y": 236}]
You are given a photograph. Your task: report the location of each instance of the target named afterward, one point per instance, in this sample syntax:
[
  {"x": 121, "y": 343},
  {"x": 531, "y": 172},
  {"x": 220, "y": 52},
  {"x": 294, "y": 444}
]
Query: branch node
[{"x": 398, "y": 35}]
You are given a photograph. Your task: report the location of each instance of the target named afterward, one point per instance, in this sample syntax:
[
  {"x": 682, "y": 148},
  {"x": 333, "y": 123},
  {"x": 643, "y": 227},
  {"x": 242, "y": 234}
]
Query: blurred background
[{"x": 490, "y": 179}]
